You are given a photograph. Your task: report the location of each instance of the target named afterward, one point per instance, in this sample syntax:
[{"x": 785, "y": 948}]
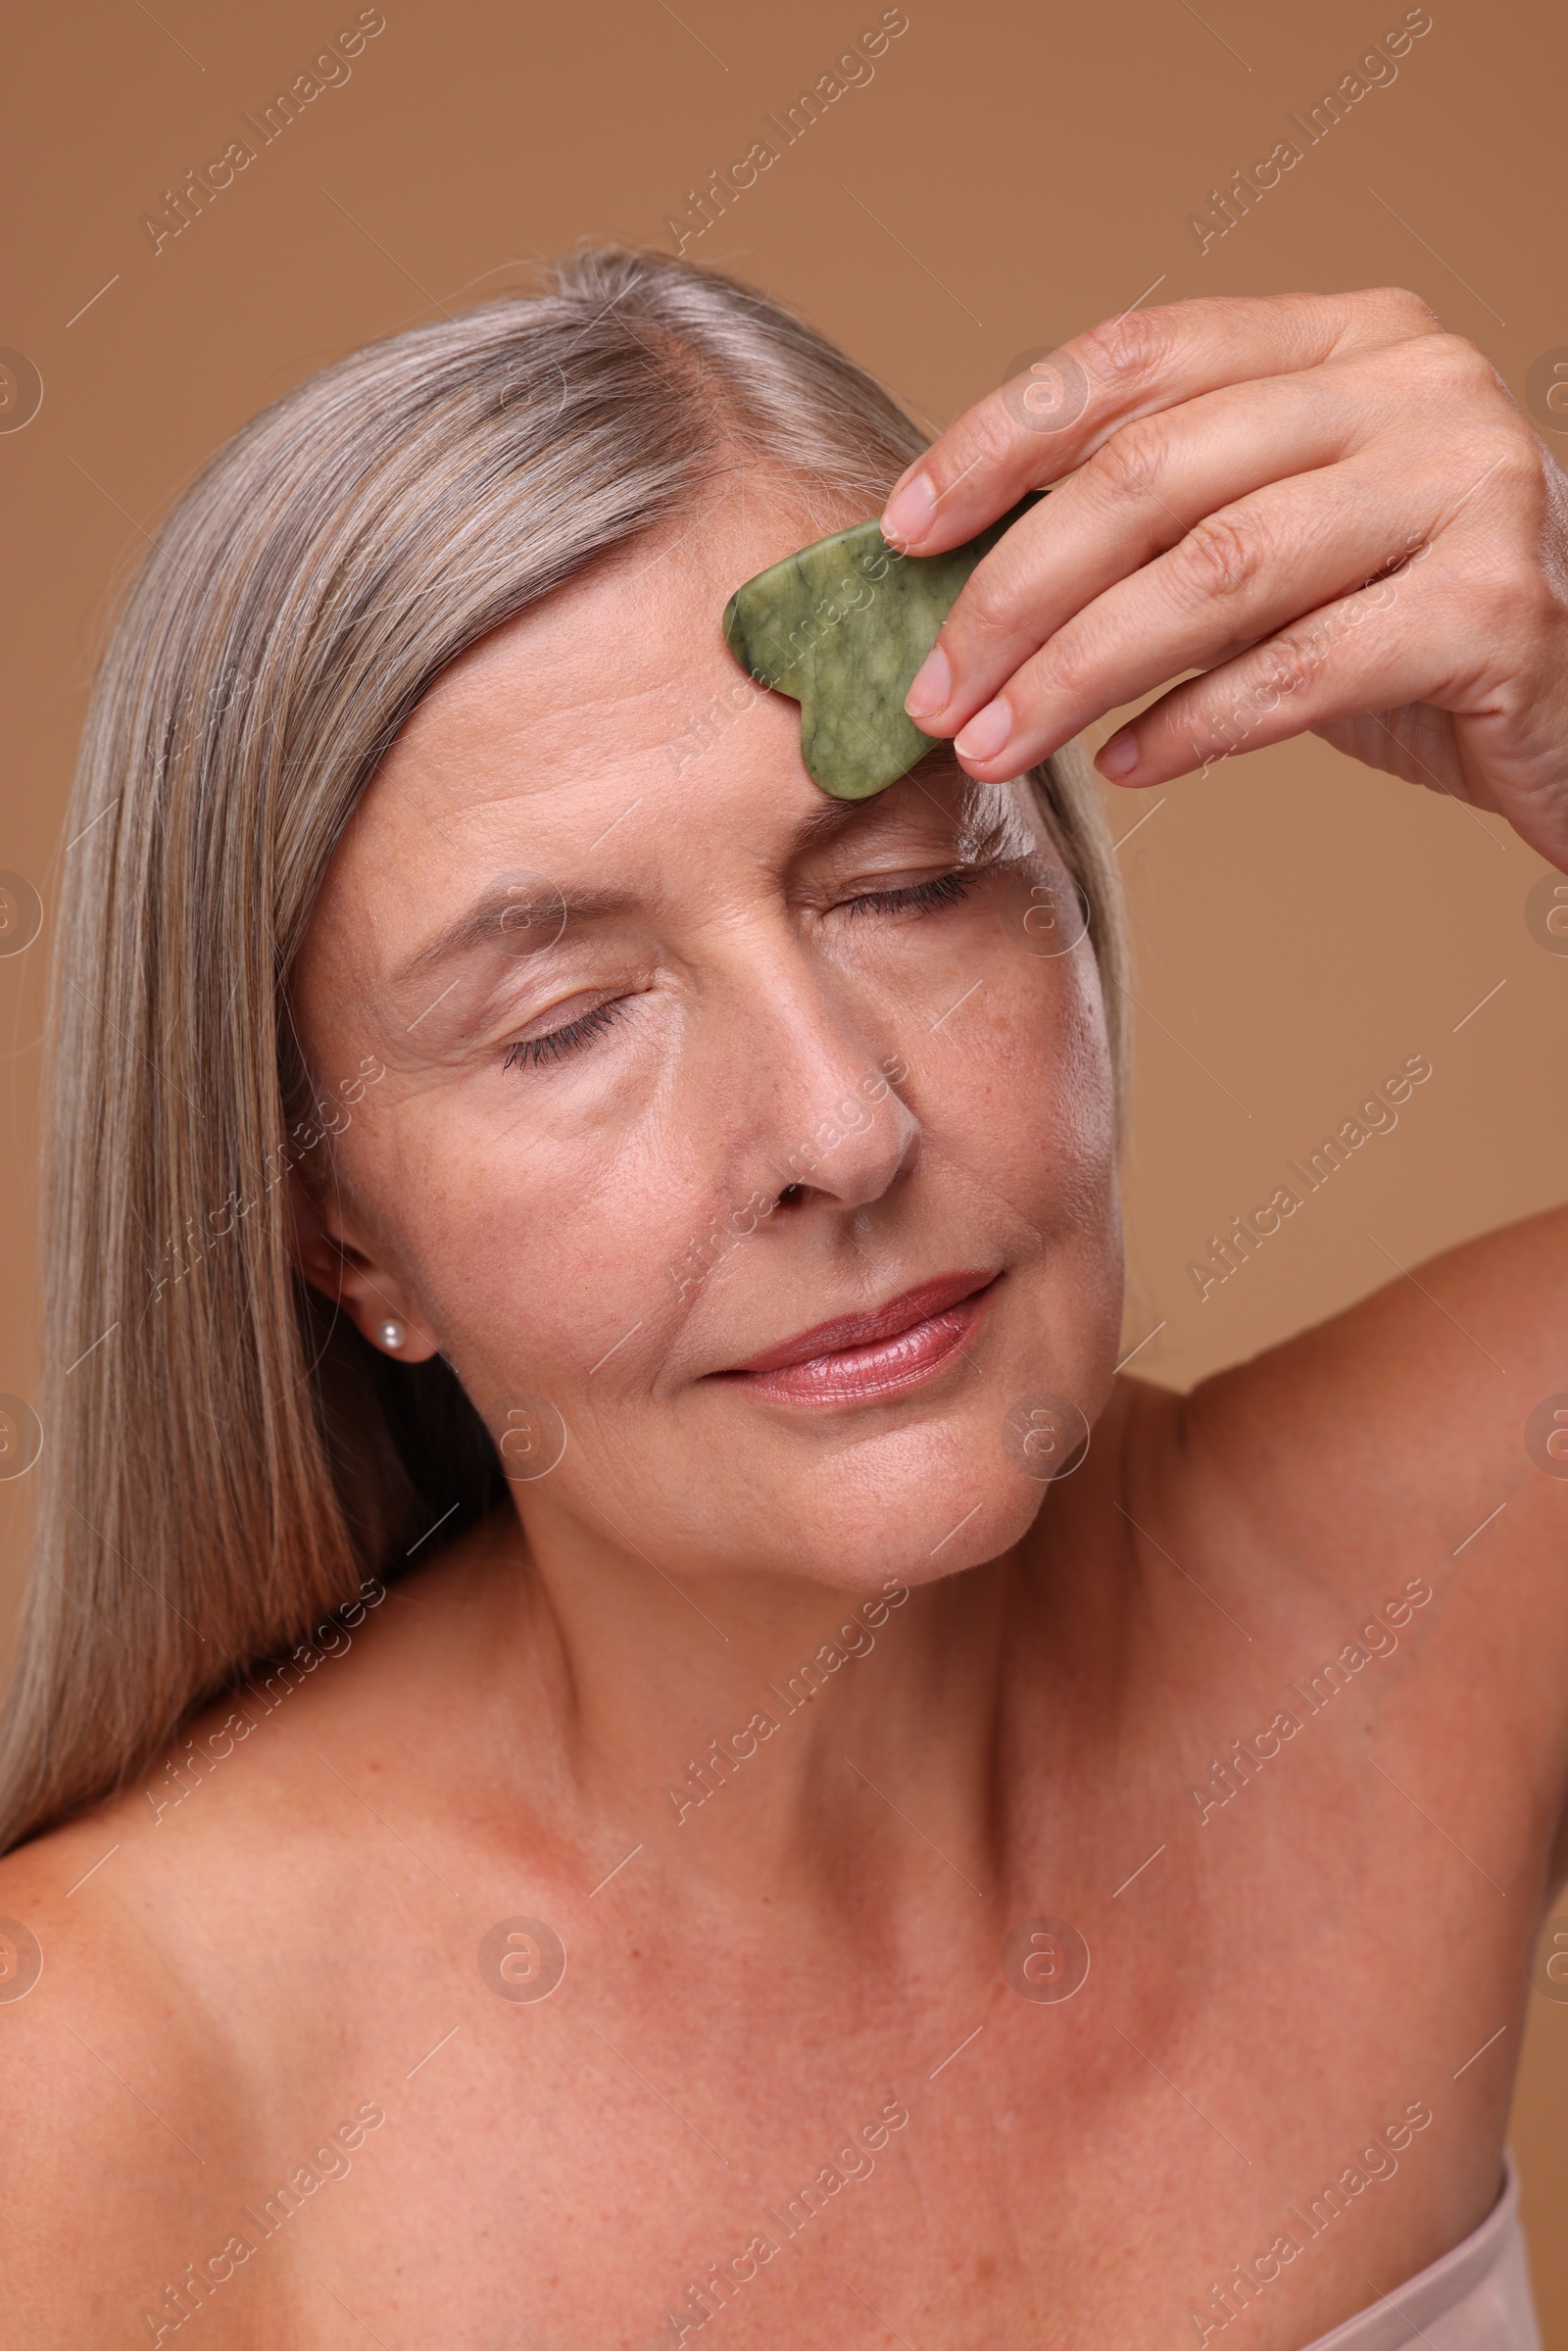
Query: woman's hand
[{"x": 1324, "y": 504}]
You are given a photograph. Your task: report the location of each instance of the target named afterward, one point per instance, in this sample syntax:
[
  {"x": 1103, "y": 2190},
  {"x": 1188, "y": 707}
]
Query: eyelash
[
  {"x": 532, "y": 1053},
  {"x": 945, "y": 892}
]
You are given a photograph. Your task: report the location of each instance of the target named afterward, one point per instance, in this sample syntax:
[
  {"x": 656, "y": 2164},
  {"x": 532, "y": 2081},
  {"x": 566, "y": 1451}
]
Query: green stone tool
[{"x": 841, "y": 628}]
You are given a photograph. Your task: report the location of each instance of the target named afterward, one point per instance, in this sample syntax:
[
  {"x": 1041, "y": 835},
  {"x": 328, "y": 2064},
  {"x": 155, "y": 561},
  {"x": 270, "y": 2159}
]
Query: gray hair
[{"x": 234, "y": 1463}]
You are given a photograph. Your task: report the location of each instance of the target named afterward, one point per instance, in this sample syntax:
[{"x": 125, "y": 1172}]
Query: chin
[
  {"x": 907, "y": 1506},
  {"x": 906, "y": 1544}
]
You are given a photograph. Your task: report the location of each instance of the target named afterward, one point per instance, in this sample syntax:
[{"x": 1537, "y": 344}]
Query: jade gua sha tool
[{"x": 841, "y": 628}]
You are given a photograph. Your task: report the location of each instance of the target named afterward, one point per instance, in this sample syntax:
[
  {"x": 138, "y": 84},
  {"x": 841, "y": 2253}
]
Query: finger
[
  {"x": 1376, "y": 651},
  {"x": 1237, "y": 578},
  {"x": 1126, "y": 367},
  {"x": 1413, "y": 742},
  {"x": 1137, "y": 497}
]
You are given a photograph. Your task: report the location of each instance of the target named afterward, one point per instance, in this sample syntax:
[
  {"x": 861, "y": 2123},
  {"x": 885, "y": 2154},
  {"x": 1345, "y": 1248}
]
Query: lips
[{"x": 858, "y": 1358}]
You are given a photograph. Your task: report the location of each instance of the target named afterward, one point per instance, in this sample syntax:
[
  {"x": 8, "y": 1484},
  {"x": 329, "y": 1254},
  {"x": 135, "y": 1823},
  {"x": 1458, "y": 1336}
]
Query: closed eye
[
  {"x": 920, "y": 896},
  {"x": 531, "y": 1053},
  {"x": 556, "y": 1045}
]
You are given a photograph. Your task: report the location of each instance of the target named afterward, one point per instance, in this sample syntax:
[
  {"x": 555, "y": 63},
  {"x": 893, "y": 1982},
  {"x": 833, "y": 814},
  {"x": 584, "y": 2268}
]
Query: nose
[{"x": 826, "y": 1116}]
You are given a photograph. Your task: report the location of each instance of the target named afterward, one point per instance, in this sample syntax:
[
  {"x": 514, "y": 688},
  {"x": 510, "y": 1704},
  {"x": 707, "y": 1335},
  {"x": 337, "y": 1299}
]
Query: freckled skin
[{"x": 753, "y": 1979}]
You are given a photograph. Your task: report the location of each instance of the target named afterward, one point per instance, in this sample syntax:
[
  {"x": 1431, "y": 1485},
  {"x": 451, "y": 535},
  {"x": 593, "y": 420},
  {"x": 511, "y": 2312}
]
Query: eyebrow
[
  {"x": 835, "y": 817},
  {"x": 482, "y": 925}
]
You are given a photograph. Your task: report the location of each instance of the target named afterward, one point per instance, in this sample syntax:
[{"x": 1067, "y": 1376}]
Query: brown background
[{"x": 1010, "y": 175}]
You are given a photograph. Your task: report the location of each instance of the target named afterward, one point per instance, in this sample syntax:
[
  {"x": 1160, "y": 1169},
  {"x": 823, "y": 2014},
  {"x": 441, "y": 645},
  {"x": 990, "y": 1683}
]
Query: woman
[{"x": 576, "y": 1776}]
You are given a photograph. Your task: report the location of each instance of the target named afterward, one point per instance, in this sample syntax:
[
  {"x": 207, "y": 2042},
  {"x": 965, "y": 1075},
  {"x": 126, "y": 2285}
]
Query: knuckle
[
  {"x": 1449, "y": 370},
  {"x": 989, "y": 605},
  {"x": 1222, "y": 555},
  {"x": 994, "y": 423},
  {"x": 1267, "y": 685},
  {"x": 1519, "y": 468},
  {"x": 1297, "y": 654},
  {"x": 1134, "y": 459},
  {"x": 1062, "y": 671},
  {"x": 1284, "y": 672},
  {"x": 1468, "y": 368},
  {"x": 987, "y": 439},
  {"x": 1124, "y": 353},
  {"x": 994, "y": 432},
  {"x": 1402, "y": 307},
  {"x": 973, "y": 445}
]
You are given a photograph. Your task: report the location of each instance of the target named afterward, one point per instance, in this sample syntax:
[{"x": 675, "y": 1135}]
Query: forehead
[
  {"x": 606, "y": 745},
  {"x": 618, "y": 688}
]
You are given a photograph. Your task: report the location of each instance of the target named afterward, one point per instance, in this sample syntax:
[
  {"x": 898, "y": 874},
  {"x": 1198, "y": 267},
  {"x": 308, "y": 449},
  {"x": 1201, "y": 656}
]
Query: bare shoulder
[
  {"x": 118, "y": 2098},
  {"x": 164, "y": 2040},
  {"x": 1411, "y": 1448},
  {"x": 1417, "y": 1417}
]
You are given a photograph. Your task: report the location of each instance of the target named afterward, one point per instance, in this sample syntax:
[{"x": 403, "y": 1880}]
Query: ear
[{"x": 368, "y": 1292}]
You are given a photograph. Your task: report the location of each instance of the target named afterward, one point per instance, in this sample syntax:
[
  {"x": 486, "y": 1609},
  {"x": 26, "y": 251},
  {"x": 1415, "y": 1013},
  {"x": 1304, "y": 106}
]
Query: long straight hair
[{"x": 226, "y": 1461}]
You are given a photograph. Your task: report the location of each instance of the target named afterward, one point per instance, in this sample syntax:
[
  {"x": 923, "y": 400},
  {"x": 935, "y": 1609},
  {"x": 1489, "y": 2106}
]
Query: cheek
[
  {"x": 1041, "y": 1130},
  {"x": 1032, "y": 1096},
  {"x": 532, "y": 1252},
  {"x": 1019, "y": 1135},
  {"x": 562, "y": 1246}
]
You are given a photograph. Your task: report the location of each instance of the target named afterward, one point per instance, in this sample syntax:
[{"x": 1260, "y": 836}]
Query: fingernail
[
  {"x": 909, "y": 510},
  {"x": 1118, "y": 757},
  {"x": 931, "y": 687},
  {"x": 985, "y": 733}
]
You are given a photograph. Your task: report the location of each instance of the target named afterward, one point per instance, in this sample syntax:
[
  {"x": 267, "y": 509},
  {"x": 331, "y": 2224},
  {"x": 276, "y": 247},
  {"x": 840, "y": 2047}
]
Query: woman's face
[{"x": 685, "y": 1060}]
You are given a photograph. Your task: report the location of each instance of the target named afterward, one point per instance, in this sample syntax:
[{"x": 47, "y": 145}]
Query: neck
[{"x": 759, "y": 1732}]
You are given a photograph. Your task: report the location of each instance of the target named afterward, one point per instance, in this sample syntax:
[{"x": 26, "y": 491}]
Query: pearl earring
[{"x": 392, "y": 1334}]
